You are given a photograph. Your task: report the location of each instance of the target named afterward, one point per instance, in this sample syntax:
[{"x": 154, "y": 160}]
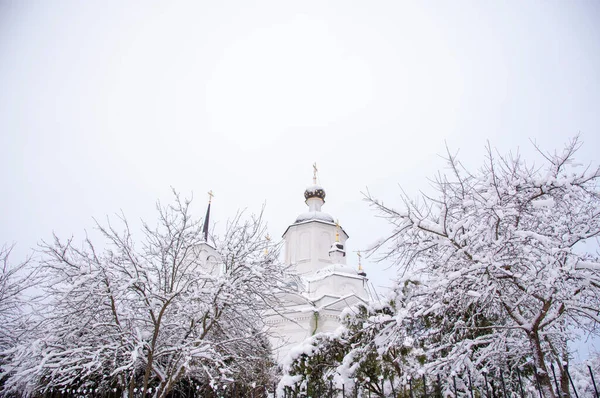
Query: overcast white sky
[{"x": 106, "y": 105}]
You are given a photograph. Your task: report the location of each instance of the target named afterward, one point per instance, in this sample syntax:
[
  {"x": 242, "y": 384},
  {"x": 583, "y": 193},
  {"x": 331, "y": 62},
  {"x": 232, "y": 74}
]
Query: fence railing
[
  {"x": 498, "y": 385},
  {"x": 492, "y": 386}
]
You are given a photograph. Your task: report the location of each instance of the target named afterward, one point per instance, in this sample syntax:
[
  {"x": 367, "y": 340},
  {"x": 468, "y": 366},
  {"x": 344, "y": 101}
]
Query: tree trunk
[
  {"x": 131, "y": 384},
  {"x": 148, "y": 369},
  {"x": 541, "y": 370}
]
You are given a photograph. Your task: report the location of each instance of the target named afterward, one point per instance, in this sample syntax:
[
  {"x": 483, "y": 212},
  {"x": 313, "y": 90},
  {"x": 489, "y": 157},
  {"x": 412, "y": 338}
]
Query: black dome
[{"x": 314, "y": 191}]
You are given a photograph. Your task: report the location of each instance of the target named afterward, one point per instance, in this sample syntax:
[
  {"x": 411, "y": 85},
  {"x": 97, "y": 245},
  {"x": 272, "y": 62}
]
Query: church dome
[
  {"x": 314, "y": 215},
  {"x": 314, "y": 191}
]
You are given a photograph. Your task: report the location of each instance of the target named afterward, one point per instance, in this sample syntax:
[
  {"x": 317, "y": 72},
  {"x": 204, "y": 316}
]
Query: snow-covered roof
[
  {"x": 313, "y": 187},
  {"x": 337, "y": 247},
  {"x": 314, "y": 215},
  {"x": 300, "y": 220},
  {"x": 342, "y": 303},
  {"x": 342, "y": 269},
  {"x": 323, "y": 302}
]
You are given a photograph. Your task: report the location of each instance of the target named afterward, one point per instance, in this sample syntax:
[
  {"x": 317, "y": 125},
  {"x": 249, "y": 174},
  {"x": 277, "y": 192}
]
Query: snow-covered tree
[
  {"x": 585, "y": 376},
  {"x": 13, "y": 282},
  {"x": 506, "y": 260},
  {"x": 368, "y": 354},
  {"x": 16, "y": 299},
  {"x": 149, "y": 316}
]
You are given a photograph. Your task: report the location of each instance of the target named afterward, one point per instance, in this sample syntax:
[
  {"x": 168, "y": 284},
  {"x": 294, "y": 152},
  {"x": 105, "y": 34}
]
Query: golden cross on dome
[
  {"x": 315, "y": 172},
  {"x": 210, "y": 196}
]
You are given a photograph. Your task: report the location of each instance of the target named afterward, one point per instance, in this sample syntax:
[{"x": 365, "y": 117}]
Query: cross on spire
[
  {"x": 315, "y": 172},
  {"x": 210, "y": 196}
]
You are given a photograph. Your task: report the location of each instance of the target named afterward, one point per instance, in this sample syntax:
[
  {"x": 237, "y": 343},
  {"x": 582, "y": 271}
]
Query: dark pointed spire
[{"x": 207, "y": 217}]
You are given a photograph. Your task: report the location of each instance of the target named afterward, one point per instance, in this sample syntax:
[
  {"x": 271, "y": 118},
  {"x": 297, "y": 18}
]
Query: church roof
[
  {"x": 343, "y": 303},
  {"x": 314, "y": 215},
  {"x": 338, "y": 269},
  {"x": 324, "y": 302},
  {"x": 318, "y": 216}
]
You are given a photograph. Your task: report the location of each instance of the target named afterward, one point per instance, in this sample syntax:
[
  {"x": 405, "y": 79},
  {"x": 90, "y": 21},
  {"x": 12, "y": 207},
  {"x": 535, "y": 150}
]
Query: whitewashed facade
[{"x": 324, "y": 283}]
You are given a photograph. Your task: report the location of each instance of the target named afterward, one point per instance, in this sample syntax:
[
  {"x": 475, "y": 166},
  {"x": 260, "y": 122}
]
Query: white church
[
  {"x": 321, "y": 284},
  {"x": 324, "y": 283}
]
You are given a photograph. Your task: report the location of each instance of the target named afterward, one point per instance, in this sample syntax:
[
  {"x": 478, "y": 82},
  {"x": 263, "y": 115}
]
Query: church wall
[
  {"x": 208, "y": 258},
  {"x": 328, "y": 321},
  {"x": 285, "y": 333},
  {"x": 307, "y": 245},
  {"x": 304, "y": 246}
]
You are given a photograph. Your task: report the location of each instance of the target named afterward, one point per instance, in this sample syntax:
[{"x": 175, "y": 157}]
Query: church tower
[
  {"x": 308, "y": 240},
  {"x": 205, "y": 252},
  {"x": 324, "y": 284}
]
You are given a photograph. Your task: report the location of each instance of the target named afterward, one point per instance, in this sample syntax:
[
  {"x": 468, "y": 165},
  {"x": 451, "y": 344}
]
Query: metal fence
[
  {"x": 498, "y": 386},
  {"x": 518, "y": 385}
]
